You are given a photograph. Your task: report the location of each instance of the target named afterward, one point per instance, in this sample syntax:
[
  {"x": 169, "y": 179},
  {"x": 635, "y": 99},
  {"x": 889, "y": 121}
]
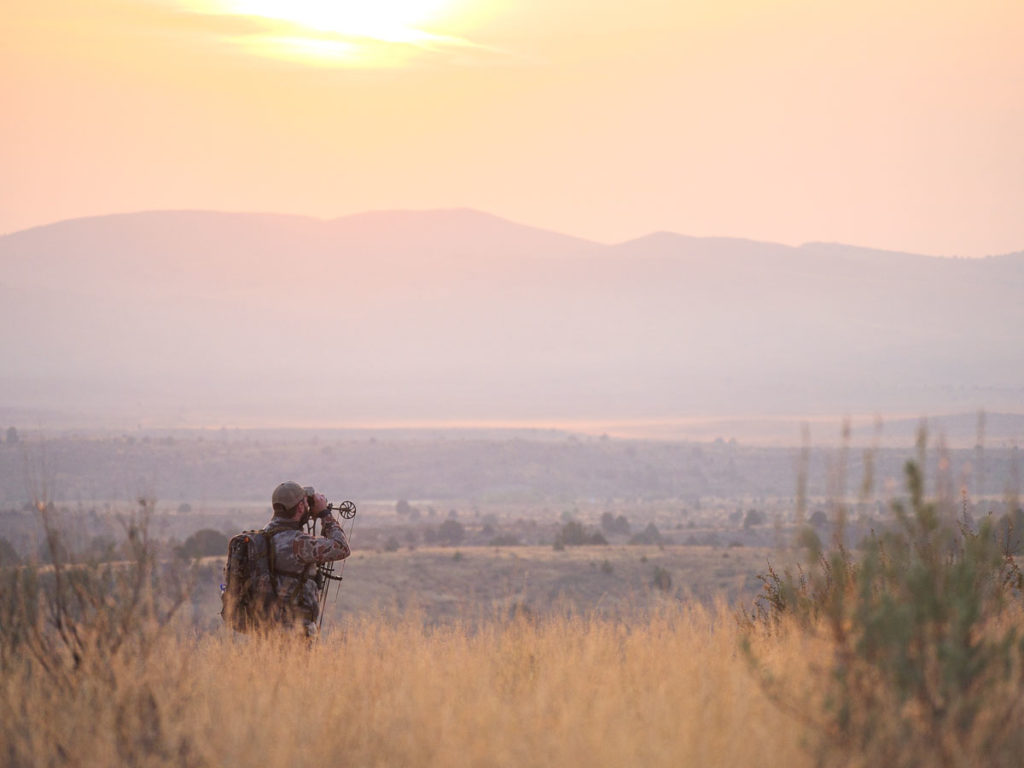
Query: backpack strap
[{"x": 268, "y": 539}]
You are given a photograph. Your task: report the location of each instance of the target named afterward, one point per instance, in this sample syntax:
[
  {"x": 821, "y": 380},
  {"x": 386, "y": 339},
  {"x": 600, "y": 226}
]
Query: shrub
[
  {"x": 505, "y": 540},
  {"x": 204, "y": 543},
  {"x": 451, "y": 533},
  {"x": 924, "y": 663},
  {"x": 662, "y": 579},
  {"x": 752, "y": 518},
  {"x": 574, "y": 534},
  {"x": 613, "y": 525},
  {"x": 649, "y": 536}
]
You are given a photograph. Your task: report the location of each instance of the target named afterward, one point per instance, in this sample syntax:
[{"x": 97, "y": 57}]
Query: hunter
[{"x": 296, "y": 553}]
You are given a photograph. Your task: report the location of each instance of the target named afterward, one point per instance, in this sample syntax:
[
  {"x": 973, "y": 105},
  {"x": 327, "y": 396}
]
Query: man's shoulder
[{"x": 285, "y": 533}]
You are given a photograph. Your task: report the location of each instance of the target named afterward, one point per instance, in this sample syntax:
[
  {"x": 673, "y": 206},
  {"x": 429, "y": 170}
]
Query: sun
[{"x": 347, "y": 32}]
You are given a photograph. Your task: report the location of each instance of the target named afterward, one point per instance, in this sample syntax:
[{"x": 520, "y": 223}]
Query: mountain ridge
[
  {"x": 382, "y": 216},
  {"x": 463, "y": 315}
]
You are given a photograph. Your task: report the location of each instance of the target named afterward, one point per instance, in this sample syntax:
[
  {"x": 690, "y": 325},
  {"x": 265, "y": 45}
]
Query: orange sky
[{"x": 896, "y": 124}]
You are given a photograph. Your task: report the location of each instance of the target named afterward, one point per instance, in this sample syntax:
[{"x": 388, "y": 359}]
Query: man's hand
[{"x": 319, "y": 505}]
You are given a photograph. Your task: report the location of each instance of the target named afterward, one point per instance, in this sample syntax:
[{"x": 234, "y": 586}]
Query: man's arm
[{"x": 333, "y": 545}]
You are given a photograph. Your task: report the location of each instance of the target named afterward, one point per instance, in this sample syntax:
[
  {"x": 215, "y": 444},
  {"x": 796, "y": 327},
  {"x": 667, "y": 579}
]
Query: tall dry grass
[
  {"x": 671, "y": 689},
  {"x": 98, "y": 667}
]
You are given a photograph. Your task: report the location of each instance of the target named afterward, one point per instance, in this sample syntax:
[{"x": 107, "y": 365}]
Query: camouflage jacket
[{"x": 296, "y": 555}]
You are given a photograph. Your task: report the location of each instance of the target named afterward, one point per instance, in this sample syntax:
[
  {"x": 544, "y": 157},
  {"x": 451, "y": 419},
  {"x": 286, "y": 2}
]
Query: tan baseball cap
[{"x": 288, "y": 494}]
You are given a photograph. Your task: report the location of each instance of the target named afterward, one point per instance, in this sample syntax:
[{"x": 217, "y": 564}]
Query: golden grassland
[
  {"x": 672, "y": 688},
  {"x": 908, "y": 653}
]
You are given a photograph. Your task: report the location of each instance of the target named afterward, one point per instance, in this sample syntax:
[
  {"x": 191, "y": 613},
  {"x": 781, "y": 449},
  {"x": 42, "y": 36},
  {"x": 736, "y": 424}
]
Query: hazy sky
[{"x": 895, "y": 124}]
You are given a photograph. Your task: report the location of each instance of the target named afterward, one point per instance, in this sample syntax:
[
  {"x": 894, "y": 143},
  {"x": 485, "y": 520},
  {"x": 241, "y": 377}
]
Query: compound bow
[{"x": 325, "y": 571}]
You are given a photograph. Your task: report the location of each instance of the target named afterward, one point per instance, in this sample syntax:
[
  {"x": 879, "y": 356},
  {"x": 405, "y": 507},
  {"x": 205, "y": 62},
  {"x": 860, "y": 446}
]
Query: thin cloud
[{"x": 368, "y": 44}]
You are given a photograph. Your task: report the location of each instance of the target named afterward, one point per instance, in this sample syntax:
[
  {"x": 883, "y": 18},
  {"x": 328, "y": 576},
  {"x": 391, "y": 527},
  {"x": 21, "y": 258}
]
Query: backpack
[
  {"x": 249, "y": 598},
  {"x": 248, "y": 595}
]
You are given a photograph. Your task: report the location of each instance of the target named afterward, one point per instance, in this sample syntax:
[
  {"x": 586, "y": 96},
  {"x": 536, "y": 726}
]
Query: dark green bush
[
  {"x": 649, "y": 536},
  {"x": 574, "y": 534},
  {"x": 923, "y": 636},
  {"x": 451, "y": 533},
  {"x": 204, "y": 543}
]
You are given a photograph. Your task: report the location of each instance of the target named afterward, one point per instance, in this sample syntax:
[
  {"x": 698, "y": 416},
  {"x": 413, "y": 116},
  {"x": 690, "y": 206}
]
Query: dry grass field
[
  {"x": 434, "y": 656},
  {"x": 669, "y": 690}
]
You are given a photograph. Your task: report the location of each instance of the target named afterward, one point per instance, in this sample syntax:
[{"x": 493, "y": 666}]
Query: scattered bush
[
  {"x": 451, "y": 533},
  {"x": 505, "y": 540},
  {"x": 613, "y": 525},
  {"x": 752, "y": 518},
  {"x": 574, "y": 534},
  {"x": 204, "y": 543},
  {"x": 649, "y": 536},
  {"x": 662, "y": 579}
]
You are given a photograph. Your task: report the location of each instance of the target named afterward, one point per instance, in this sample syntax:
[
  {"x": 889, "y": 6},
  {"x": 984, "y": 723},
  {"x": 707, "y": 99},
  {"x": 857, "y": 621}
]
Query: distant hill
[{"x": 198, "y": 317}]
